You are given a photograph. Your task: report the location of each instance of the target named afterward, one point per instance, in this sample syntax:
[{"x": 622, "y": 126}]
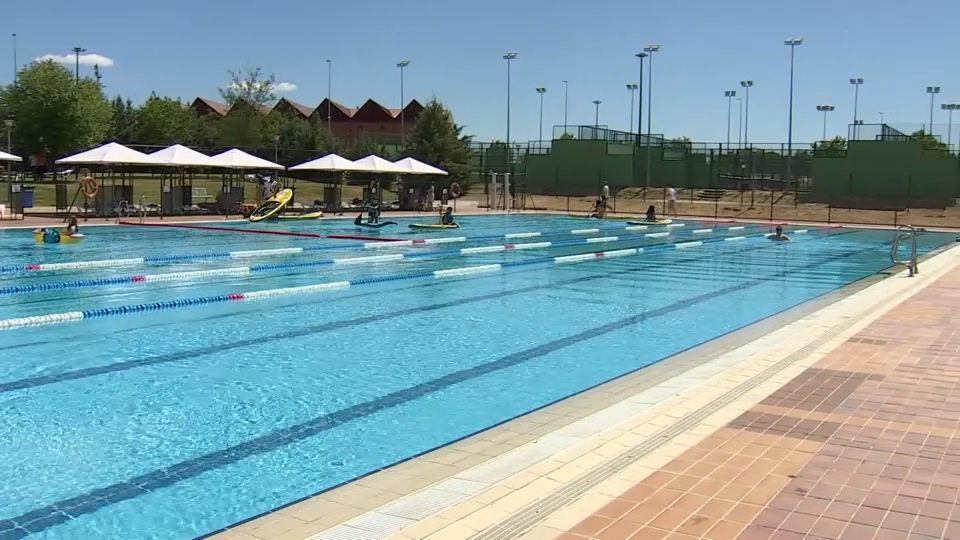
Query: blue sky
[{"x": 184, "y": 48}]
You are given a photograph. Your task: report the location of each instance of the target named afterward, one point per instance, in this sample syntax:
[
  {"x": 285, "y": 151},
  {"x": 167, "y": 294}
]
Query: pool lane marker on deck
[
  {"x": 72, "y": 316},
  {"x": 246, "y": 270},
  {"x": 246, "y": 254}
]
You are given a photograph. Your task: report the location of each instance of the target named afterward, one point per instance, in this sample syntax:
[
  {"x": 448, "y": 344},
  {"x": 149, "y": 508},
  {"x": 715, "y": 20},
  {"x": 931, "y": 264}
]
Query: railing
[{"x": 905, "y": 232}]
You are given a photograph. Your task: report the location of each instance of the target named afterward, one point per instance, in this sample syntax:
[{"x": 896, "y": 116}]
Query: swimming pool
[{"x": 171, "y": 423}]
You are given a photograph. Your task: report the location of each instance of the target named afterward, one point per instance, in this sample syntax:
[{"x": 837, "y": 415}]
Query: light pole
[
  {"x": 649, "y": 49},
  {"x": 729, "y": 94},
  {"x": 566, "y": 100},
  {"x": 746, "y": 85},
  {"x": 276, "y": 148},
  {"x": 76, "y": 53},
  {"x": 15, "y": 65},
  {"x": 792, "y": 43},
  {"x": 542, "y": 90},
  {"x": 933, "y": 91},
  {"x": 509, "y": 58},
  {"x": 632, "y": 87},
  {"x": 881, "y": 117},
  {"x": 8, "y": 123},
  {"x": 641, "y": 56},
  {"x": 825, "y": 109},
  {"x": 403, "y": 130},
  {"x": 330, "y": 98},
  {"x": 950, "y": 107},
  {"x": 740, "y": 125},
  {"x": 856, "y": 82},
  {"x": 596, "y": 116}
]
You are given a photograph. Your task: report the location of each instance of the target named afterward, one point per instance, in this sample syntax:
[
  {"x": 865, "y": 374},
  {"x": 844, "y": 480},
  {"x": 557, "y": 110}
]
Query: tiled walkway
[{"x": 863, "y": 446}]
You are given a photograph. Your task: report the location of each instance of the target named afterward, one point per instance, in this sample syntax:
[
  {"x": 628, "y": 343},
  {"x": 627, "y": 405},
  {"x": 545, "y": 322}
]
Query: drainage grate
[{"x": 533, "y": 513}]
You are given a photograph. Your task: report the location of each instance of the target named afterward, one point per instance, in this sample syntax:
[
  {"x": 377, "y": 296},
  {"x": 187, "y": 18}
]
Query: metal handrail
[{"x": 905, "y": 232}]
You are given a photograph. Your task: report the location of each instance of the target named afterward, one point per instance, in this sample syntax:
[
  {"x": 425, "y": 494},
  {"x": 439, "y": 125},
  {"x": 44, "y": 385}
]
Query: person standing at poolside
[
  {"x": 671, "y": 209},
  {"x": 605, "y": 193}
]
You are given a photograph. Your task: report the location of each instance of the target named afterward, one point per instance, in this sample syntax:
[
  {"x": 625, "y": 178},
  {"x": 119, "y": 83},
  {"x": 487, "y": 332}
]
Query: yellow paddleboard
[{"x": 272, "y": 206}]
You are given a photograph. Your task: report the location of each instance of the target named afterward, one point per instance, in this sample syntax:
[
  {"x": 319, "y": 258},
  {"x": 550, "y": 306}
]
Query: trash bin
[{"x": 28, "y": 196}]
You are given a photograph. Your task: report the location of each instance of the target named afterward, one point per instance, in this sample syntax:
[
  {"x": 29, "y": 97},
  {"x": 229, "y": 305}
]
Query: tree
[
  {"x": 835, "y": 147},
  {"x": 567, "y": 136},
  {"x": 249, "y": 93},
  {"x": 162, "y": 121},
  {"x": 300, "y": 139},
  {"x": 437, "y": 140},
  {"x": 682, "y": 143},
  {"x": 54, "y": 112},
  {"x": 930, "y": 142},
  {"x": 123, "y": 121}
]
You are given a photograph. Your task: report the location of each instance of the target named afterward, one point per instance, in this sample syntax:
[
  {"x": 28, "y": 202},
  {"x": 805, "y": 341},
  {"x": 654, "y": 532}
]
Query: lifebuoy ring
[
  {"x": 455, "y": 190},
  {"x": 89, "y": 187}
]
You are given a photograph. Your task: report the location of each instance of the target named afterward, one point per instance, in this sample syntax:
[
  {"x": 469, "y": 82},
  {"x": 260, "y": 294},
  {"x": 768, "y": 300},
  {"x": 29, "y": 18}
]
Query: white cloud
[
  {"x": 278, "y": 87},
  {"x": 85, "y": 59}
]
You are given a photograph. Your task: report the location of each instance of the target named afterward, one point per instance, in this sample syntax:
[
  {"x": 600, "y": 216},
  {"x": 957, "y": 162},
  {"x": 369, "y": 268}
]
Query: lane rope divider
[
  {"x": 115, "y": 311},
  {"x": 259, "y": 253},
  {"x": 246, "y": 270}
]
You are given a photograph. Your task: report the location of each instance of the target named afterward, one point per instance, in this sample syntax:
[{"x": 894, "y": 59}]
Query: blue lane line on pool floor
[{"x": 62, "y": 511}]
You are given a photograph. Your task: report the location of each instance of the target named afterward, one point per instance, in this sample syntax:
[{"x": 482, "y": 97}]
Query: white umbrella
[
  {"x": 374, "y": 163},
  {"x": 238, "y": 159},
  {"x": 412, "y": 166},
  {"x": 181, "y": 156},
  {"x": 109, "y": 154},
  {"x": 331, "y": 163},
  {"x": 9, "y": 157}
]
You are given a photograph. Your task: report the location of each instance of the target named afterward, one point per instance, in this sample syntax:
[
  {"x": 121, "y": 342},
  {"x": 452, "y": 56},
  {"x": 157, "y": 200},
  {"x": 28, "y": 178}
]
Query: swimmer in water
[{"x": 778, "y": 235}]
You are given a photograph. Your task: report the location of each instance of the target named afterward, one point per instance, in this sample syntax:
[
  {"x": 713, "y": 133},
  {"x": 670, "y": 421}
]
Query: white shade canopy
[
  {"x": 109, "y": 154},
  {"x": 331, "y": 163},
  {"x": 9, "y": 157},
  {"x": 412, "y": 166},
  {"x": 181, "y": 156},
  {"x": 374, "y": 163},
  {"x": 238, "y": 159}
]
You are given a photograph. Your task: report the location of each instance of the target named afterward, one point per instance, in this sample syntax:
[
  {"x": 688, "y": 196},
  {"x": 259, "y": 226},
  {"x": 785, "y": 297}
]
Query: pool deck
[{"x": 837, "y": 419}]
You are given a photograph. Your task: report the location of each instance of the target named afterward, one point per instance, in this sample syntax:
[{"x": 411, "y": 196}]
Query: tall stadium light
[
  {"x": 641, "y": 56},
  {"x": 330, "y": 98},
  {"x": 856, "y": 82},
  {"x": 825, "y": 109},
  {"x": 566, "y": 102},
  {"x": 403, "y": 131},
  {"x": 596, "y": 115},
  {"x": 729, "y": 94},
  {"x": 509, "y": 58},
  {"x": 746, "y": 85},
  {"x": 632, "y": 87},
  {"x": 950, "y": 107},
  {"x": 16, "y": 68},
  {"x": 933, "y": 91},
  {"x": 542, "y": 90},
  {"x": 740, "y": 124},
  {"x": 792, "y": 43},
  {"x": 76, "y": 52},
  {"x": 649, "y": 49}
]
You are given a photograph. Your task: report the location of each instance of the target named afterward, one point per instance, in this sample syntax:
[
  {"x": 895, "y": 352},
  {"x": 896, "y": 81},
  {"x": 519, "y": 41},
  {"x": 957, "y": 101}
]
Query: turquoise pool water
[{"x": 179, "y": 422}]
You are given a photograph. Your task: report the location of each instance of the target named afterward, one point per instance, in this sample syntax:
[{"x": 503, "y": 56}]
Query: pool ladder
[{"x": 905, "y": 232}]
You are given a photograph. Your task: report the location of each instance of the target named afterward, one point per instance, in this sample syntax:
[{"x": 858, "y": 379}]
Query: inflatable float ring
[
  {"x": 455, "y": 190},
  {"x": 89, "y": 187}
]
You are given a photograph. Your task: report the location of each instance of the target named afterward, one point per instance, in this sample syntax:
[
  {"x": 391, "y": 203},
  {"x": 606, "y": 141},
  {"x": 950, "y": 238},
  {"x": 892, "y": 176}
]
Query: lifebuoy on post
[
  {"x": 89, "y": 187},
  {"x": 455, "y": 190}
]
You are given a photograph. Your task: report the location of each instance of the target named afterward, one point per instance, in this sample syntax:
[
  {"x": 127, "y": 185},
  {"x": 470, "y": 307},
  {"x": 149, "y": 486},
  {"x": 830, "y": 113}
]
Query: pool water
[{"x": 179, "y": 422}]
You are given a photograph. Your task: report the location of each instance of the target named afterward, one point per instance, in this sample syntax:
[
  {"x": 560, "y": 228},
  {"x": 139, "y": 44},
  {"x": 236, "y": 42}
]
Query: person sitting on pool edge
[
  {"x": 778, "y": 235},
  {"x": 599, "y": 209},
  {"x": 72, "y": 226},
  {"x": 447, "y": 217},
  {"x": 651, "y": 214}
]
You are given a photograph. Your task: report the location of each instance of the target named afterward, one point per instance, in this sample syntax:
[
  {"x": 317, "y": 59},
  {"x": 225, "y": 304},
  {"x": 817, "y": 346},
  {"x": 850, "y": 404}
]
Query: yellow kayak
[
  {"x": 657, "y": 222},
  {"x": 272, "y": 206},
  {"x": 41, "y": 236},
  {"x": 311, "y": 215},
  {"x": 433, "y": 226}
]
